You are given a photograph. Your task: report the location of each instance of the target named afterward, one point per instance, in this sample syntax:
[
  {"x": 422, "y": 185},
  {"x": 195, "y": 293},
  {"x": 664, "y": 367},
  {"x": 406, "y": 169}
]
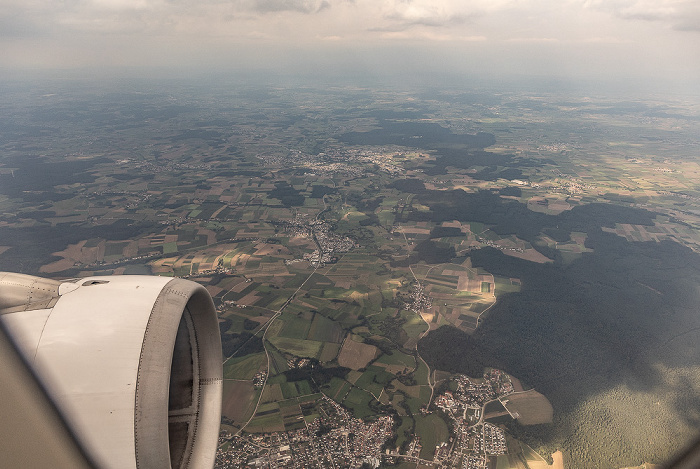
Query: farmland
[
  {"x": 356, "y": 355},
  {"x": 433, "y": 431},
  {"x": 369, "y": 252},
  {"x": 529, "y": 408}
]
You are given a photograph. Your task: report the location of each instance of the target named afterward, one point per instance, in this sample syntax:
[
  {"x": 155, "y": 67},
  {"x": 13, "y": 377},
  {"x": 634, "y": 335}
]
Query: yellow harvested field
[
  {"x": 239, "y": 287},
  {"x": 214, "y": 290},
  {"x": 530, "y": 407},
  {"x": 558, "y": 460},
  {"x": 75, "y": 253},
  {"x": 547, "y": 205},
  {"x": 264, "y": 249},
  {"x": 528, "y": 255},
  {"x": 58, "y": 266},
  {"x": 474, "y": 284},
  {"x": 455, "y": 273},
  {"x": 415, "y": 231},
  {"x": 517, "y": 385},
  {"x": 249, "y": 299},
  {"x": 452, "y": 224},
  {"x": 132, "y": 249},
  {"x": 343, "y": 282}
]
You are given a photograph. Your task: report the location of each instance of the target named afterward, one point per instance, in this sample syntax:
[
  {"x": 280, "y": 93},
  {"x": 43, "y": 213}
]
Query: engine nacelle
[{"x": 133, "y": 363}]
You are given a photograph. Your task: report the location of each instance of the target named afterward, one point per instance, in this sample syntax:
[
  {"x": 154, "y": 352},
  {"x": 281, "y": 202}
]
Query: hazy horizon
[{"x": 634, "y": 44}]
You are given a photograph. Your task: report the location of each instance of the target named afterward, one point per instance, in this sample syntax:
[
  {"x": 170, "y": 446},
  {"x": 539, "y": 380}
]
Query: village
[
  {"x": 473, "y": 439},
  {"x": 328, "y": 244}
]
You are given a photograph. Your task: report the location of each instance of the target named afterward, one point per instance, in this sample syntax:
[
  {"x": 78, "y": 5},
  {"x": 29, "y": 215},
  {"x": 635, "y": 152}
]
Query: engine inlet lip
[{"x": 179, "y": 299}]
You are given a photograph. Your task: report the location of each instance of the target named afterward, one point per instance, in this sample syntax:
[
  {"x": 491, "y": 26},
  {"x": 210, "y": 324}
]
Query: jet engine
[{"x": 133, "y": 363}]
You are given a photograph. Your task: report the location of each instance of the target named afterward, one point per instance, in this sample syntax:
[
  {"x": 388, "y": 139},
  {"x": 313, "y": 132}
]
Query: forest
[{"x": 579, "y": 333}]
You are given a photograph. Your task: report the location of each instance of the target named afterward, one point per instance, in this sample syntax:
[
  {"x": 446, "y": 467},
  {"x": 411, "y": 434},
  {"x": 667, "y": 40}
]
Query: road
[
  {"x": 424, "y": 333},
  {"x": 424, "y": 462},
  {"x": 267, "y": 353}
]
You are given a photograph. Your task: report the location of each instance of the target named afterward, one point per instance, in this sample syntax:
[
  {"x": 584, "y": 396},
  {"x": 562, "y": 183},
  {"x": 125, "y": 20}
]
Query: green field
[
  {"x": 432, "y": 431},
  {"x": 325, "y": 330},
  {"x": 404, "y": 431},
  {"x": 343, "y": 391},
  {"x": 329, "y": 352},
  {"x": 295, "y": 327},
  {"x": 303, "y": 387},
  {"x": 398, "y": 358},
  {"x": 113, "y": 249},
  {"x": 289, "y": 390},
  {"x": 273, "y": 393},
  {"x": 414, "y": 325},
  {"x": 374, "y": 380},
  {"x": 300, "y": 348},
  {"x": 244, "y": 367},
  {"x": 332, "y": 388},
  {"x": 169, "y": 248},
  {"x": 358, "y": 401},
  {"x": 505, "y": 285},
  {"x": 267, "y": 423},
  {"x": 422, "y": 373},
  {"x": 278, "y": 364}
]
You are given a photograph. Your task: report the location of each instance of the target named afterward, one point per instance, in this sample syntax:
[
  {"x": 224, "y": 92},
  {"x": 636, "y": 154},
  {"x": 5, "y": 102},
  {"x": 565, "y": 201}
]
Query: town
[{"x": 335, "y": 439}]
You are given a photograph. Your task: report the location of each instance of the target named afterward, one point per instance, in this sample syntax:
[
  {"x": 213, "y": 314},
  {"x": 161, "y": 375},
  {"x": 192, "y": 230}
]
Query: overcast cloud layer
[{"x": 592, "y": 38}]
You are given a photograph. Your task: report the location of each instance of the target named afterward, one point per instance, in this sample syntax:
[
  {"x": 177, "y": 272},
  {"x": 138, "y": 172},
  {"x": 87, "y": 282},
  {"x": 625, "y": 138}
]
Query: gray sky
[{"x": 618, "y": 39}]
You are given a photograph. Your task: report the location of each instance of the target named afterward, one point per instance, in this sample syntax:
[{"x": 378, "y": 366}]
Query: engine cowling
[{"x": 133, "y": 363}]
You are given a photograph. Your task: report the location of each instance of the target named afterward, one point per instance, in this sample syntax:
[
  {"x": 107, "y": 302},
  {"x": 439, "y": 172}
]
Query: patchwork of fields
[{"x": 367, "y": 245}]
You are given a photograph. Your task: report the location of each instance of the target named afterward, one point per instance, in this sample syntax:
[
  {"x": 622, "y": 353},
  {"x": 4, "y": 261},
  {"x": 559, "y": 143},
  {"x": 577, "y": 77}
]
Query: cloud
[
  {"x": 301, "y": 6},
  {"x": 211, "y": 32},
  {"x": 693, "y": 26},
  {"x": 401, "y": 15},
  {"x": 683, "y": 15},
  {"x": 690, "y": 20},
  {"x": 646, "y": 10},
  {"x": 149, "y": 17}
]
